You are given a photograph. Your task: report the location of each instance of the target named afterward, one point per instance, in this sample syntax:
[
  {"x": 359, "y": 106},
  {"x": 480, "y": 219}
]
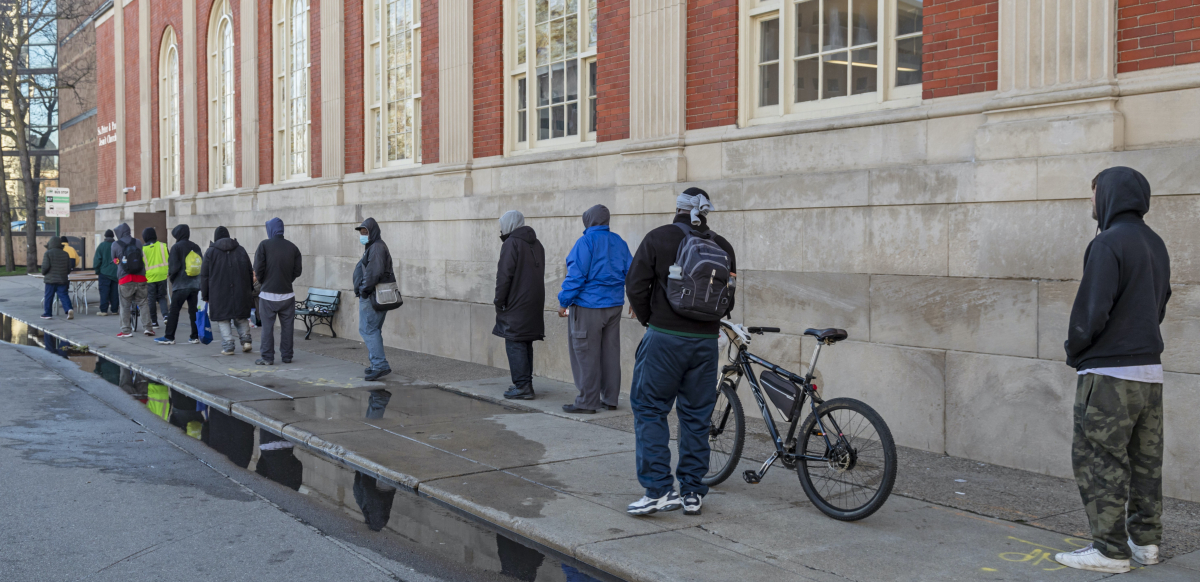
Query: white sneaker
[
  {"x": 691, "y": 503},
  {"x": 1144, "y": 555},
  {"x": 246, "y": 347},
  {"x": 648, "y": 505},
  {"x": 1090, "y": 558},
  {"x": 71, "y": 314}
]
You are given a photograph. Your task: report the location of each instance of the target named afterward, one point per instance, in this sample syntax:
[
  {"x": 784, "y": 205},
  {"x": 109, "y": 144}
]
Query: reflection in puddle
[{"x": 416, "y": 519}]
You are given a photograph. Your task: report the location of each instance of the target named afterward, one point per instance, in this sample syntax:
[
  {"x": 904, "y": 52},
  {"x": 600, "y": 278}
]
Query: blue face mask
[{"x": 362, "y": 238}]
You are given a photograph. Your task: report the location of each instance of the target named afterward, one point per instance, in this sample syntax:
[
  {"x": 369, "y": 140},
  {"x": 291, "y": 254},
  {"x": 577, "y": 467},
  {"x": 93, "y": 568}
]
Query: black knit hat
[{"x": 109, "y": 234}]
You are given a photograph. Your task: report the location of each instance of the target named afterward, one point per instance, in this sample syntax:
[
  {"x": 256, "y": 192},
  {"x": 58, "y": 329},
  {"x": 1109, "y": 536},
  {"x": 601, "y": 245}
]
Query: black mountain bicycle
[{"x": 843, "y": 453}]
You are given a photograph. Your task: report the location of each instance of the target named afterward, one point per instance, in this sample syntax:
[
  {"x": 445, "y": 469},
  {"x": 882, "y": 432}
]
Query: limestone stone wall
[{"x": 947, "y": 239}]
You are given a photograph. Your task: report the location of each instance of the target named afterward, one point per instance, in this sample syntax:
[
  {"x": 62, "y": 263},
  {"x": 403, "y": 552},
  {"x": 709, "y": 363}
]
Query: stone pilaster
[
  {"x": 1057, "y": 81},
  {"x": 333, "y": 88},
  {"x": 456, "y": 80},
  {"x": 657, "y": 92}
]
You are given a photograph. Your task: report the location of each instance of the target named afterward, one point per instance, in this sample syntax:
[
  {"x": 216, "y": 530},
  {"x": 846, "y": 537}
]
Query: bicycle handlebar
[{"x": 762, "y": 330}]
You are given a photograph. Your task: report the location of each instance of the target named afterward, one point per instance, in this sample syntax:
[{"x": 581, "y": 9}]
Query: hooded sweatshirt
[
  {"x": 277, "y": 263},
  {"x": 102, "y": 261},
  {"x": 1126, "y": 282},
  {"x": 596, "y": 266},
  {"x": 177, "y": 264},
  {"x": 226, "y": 278},
  {"x": 56, "y": 263},
  {"x": 155, "y": 255},
  {"x": 375, "y": 266},
  {"x": 125, "y": 239}
]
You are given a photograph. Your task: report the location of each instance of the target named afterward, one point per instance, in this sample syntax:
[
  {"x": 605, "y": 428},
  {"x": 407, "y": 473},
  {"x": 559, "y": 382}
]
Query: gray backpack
[{"x": 699, "y": 285}]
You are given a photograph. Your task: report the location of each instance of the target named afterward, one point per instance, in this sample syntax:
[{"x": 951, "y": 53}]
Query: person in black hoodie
[
  {"x": 277, "y": 263},
  {"x": 675, "y": 366},
  {"x": 520, "y": 300},
  {"x": 184, "y": 288},
  {"x": 1114, "y": 342},
  {"x": 374, "y": 267},
  {"x": 226, "y": 283}
]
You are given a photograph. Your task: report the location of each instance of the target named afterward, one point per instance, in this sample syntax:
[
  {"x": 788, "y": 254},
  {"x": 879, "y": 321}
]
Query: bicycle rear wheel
[
  {"x": 858, "y": 471},
  {"x": 726, "y": 434}
]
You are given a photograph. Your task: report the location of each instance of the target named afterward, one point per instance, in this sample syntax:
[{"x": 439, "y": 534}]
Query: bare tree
[{"x": 30, "y": 81}]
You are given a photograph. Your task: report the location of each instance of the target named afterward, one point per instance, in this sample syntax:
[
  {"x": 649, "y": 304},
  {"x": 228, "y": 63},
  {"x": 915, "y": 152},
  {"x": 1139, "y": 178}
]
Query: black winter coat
[
  {"x": 521, "y": 287},
  {"x": 177, "y": 260},
  {"x": 277, "y": 262},
  {"x": 56, "y": 263},
  {"x": 227, "y": 280}
]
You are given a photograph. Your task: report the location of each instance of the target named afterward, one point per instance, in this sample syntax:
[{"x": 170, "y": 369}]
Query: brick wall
[
  {"x": 960, "y": 47},
  {"x": 1154, "y": 34},
  {"x": 429, "y": 82},
  {"x": 203, "y": 18},
  {"x": 612, "y": 70},
  {"x": 712, "y": 65},
  {"x": 106, "y": 113},
  {"x": 354, "y": 96},
  {"x": 266, "y": 95},
  {"x": 164, "y": 15},
  {"x": 314, "y": 88},
  {"x": 489, "y": 78},
  {"x": 131, "y": 128}
]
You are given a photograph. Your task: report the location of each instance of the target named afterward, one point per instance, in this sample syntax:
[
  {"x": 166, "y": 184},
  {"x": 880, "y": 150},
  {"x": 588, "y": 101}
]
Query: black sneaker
[
  {"x": 524, "y": 393},
  {"x": 647, "y": 505},
  {"x": 691, "y": 503},
  {"x": 376, "y": 375},
  {"x": 287, "y": 360},
  {"x": 262, "y": 362},
  {"x": 571, "y": 408}
]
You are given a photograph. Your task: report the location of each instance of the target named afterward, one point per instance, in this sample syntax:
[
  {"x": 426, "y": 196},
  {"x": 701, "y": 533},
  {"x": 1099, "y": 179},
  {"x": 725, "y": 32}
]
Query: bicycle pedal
[{"x": 752, "y": 477}]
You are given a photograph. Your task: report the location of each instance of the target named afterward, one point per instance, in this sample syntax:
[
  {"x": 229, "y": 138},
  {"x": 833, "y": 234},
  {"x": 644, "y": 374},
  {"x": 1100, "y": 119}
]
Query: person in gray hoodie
[
  {"x": 132, "y": 280},
  {"x": 184, "y": 288}
]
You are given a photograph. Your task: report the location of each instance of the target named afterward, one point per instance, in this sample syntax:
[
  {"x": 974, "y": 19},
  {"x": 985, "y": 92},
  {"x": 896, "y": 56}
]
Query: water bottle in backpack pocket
[{"x": 699, "y": 285}]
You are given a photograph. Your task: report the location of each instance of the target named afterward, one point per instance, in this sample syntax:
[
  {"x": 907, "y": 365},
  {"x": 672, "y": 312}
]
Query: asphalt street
[{"x": 95, "y": 488}]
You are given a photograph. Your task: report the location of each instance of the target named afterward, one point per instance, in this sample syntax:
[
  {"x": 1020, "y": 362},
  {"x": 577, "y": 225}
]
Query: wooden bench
[{"x": 318, "y": 309}]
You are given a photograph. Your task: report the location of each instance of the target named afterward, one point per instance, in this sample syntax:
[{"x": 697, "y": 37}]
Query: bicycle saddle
[{"x": 830, "y": 334}]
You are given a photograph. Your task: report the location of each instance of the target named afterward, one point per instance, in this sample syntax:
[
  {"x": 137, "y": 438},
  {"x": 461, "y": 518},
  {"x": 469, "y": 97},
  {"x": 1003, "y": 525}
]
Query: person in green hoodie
[
  {"x": 56, "y": 266},
  {"x": 106, "y": 273}
]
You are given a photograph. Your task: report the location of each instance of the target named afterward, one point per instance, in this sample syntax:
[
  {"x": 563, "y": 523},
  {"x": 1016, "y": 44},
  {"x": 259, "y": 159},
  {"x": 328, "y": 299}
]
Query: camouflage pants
[{"x": 1117, "y": 455}]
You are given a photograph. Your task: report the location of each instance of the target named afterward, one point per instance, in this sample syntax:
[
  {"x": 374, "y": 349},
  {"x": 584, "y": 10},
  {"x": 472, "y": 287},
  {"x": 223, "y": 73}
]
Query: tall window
[
  {"x": 830, "y": 53},
  {"x": 553, "y": 76},
  {"x": 393, "y": 101},
  {"x": 222, "y": 125},
  {"x": 168, "y": 107},
  {"x": 292, "y": 120}
]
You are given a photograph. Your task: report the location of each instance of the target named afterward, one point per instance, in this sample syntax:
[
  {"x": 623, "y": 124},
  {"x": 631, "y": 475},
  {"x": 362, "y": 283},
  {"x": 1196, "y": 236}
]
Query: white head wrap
[{"x": 696, "y": 201}]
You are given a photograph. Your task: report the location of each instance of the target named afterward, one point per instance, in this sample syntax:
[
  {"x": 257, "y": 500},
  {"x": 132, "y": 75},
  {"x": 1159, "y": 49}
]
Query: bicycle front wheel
[
  {"x": 857, "y": 469},
  {"x": 726, "y": 434}
]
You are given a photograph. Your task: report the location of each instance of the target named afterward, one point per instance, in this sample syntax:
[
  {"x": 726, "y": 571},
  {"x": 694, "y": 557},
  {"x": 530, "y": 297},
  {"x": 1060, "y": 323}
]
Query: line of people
[{"x": 141, "y": 279}]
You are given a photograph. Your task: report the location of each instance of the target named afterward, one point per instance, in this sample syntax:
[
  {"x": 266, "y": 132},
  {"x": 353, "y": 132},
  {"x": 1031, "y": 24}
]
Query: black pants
[
  {"x": 156, "y": 296},
  {"x": 177, "y": 300},
  {"x": 520, "y": 362}
]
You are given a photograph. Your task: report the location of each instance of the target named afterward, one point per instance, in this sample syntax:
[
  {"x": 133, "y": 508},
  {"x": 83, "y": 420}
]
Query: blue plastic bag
[{"x": 204, "y": 326}]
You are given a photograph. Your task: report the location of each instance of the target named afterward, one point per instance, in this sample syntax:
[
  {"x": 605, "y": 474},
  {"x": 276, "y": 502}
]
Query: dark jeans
[
  {"x": 181, "y": 296},
  {"x": 286, "y": 312},
  {"x": 156, "y": 296},
  {"x": 110, "y": 297},
  {"x": 670, "y": 368},
  {"x": 520, "y": 362},
  {"x": 63, "y": 297}
]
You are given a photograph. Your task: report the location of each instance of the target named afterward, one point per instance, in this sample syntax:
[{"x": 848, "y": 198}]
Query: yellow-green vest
[
  {"x": 156, "y": 262},
  {"x": 158, "y": 400}
]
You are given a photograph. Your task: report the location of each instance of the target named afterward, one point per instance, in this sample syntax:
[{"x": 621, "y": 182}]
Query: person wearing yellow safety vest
[{"x": 156, "y": 255}]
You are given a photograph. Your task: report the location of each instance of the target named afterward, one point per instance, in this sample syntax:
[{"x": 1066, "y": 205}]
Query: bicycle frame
[{"x": 784, "y": 448}]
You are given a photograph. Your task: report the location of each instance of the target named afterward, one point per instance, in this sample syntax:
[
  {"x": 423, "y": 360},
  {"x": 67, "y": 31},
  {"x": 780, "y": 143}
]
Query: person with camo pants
[{"x": 1114, "y": 342}]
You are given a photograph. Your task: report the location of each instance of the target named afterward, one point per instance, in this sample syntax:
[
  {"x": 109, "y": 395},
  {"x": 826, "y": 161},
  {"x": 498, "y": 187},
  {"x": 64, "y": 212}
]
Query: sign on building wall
[
  {"x": 58, "y": 202},
  {"x": 106, "y": 134}
]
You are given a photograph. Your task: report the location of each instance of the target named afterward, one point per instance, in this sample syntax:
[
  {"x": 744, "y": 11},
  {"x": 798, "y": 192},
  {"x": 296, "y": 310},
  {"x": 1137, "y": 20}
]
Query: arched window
[
  {"x": 168, "y": 112},
  {"x": 221, "y": 92},
  {"x": 393, "y": 100},
  {"x": 292, "y": 62}
]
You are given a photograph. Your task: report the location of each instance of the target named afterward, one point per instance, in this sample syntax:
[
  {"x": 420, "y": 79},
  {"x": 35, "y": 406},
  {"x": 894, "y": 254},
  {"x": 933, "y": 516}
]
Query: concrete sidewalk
[{"x": 563, "y": 484}]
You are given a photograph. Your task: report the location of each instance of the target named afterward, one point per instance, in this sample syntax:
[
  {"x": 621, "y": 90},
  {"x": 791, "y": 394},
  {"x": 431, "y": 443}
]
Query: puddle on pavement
[{"x": 379, "y": 504}]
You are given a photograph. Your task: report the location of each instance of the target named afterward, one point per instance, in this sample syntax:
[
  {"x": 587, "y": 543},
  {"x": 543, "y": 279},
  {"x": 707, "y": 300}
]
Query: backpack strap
[{"x": 689, "y": 230}]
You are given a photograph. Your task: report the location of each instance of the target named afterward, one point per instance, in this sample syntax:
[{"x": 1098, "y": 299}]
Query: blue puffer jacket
[{"x": 596, "y": 270}]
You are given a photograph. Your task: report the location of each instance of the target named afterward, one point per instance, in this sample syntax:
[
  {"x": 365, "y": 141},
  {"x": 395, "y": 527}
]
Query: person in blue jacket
[{"x": 592, "y": 297}]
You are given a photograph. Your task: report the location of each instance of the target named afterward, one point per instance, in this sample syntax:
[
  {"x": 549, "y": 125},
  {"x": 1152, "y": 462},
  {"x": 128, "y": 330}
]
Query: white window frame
[
  {"x": 517, "y": 71},
  {"x": 886, "y": 95},
  {"x": 375, "y": 120},
  {"x": 170, "y": 176},
  {"x": 286, "y": 97},
  {"x": 222, "y": 106}
]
